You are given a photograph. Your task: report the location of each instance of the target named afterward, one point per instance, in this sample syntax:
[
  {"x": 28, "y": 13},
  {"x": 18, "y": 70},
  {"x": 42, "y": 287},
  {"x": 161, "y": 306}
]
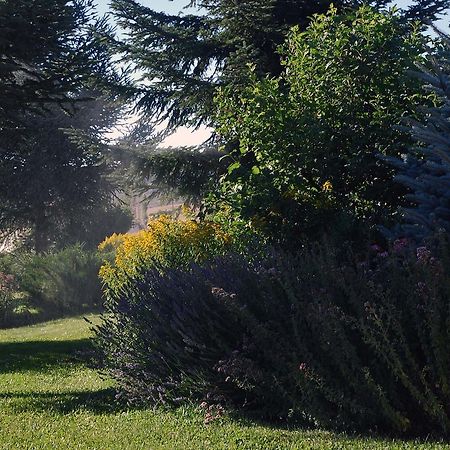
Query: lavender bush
[{"x": 354, "y": 343}]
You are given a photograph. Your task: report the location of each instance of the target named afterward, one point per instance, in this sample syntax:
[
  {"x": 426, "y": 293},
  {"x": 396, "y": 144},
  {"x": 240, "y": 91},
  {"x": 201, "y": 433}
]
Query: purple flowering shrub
[
  {"x": 375, "y": 336},
  {"x": 354, "y": 343},
  {"x": 190, "y": 335}
]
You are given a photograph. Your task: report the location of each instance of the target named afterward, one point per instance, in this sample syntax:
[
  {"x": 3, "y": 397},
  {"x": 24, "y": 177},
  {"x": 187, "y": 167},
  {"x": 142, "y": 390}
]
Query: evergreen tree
[
  {"x": 48, "y": 57},
  {"x": 47, "y": 51},
  {"x": 183, "y": 59},
  {"x": 426, "y": 168},
  {"x": 151, "y": 170},
  {"x": 54, "y": 180}
]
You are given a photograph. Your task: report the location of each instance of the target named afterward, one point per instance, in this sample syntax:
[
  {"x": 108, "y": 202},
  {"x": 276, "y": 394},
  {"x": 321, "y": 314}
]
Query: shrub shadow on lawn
[
  {"x": 40, "y": 355},
  {"x": 43, "y": 317},
  {"x": 102, "y": 401}
]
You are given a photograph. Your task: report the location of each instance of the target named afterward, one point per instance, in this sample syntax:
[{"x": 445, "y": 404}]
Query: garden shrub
[
  {"x": 374, "y": 336},
  {"x": 166, "y": 242},
  {"x": 176, "y": 336},
  {"x": 323, "y": 336},
  {"x": 59, "y": 283},
  {"x": 304, "y": 148},
  {"x": 13, "y": 305}
]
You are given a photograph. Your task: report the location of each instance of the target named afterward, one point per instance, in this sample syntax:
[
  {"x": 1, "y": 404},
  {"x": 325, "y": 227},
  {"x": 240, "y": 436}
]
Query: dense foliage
[
  {"x": 49, "y": 56},
  {"x": 319, "y": 337},
  {"x": 353, "y": 340},
  {"x": 209, "y": 45},
  {"x": 49, "y": 285},
  {"x": 7, "y": 289},
  {"x": 168, "y": 172},
  {"x": 166, "y": 242},
  {"x": 304, "y": 149},
  {"x": 425, "y": 169},
  {"x": 306, "y": 99}
]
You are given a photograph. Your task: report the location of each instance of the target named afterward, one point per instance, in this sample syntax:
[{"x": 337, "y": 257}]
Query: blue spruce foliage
[{"x": 426, "y": 169}]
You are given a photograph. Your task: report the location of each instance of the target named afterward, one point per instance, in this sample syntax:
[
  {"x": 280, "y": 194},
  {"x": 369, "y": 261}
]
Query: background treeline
[{"x": 57, "y": 187}]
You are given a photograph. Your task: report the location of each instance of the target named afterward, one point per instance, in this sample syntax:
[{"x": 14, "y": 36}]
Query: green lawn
[{"x": 50, "y": 400}]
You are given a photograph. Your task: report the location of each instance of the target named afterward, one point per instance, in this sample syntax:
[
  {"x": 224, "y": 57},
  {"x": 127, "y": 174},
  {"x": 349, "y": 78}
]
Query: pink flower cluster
[
  {"x": 399, "y": 246},
  {"x": 423, "y": 254},
  {"x": 221, "y": 294}
]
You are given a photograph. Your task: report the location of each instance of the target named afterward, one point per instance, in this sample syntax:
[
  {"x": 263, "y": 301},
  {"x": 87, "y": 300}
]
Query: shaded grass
[
  {"x": 50, "y": 399},
  {"x": 39, "y": 356},
  {"x": 100, "y": 401}
]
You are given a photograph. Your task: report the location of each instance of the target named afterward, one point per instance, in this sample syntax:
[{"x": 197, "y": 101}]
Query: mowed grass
[{"x": 50, "y": 399}]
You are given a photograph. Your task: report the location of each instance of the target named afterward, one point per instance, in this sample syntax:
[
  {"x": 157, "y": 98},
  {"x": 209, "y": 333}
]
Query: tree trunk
[{"x": 41, "y": 242}]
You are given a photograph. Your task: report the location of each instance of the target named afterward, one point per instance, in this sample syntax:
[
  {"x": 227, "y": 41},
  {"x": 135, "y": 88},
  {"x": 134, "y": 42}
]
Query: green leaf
[{"x": 234, "y": 166}]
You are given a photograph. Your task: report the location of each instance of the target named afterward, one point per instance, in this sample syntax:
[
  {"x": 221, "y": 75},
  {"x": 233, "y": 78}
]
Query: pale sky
[
  {"x": 169, "y": 6},
  {"x": 175, "y": 6},
  {"x": 185, "y": 136}
]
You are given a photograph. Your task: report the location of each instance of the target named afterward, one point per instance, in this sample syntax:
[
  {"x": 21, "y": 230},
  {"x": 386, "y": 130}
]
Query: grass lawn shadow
[
  {"x": 40, "y": 355},
  {"x": 97, "y": 402}
]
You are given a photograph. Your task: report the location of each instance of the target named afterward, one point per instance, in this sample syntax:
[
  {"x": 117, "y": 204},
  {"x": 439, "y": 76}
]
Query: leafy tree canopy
[{"x": 304, "y": 147}]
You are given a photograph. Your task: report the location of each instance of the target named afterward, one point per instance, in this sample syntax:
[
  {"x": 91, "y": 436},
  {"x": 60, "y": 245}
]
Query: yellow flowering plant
[{"x": 166, "y": 242}]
